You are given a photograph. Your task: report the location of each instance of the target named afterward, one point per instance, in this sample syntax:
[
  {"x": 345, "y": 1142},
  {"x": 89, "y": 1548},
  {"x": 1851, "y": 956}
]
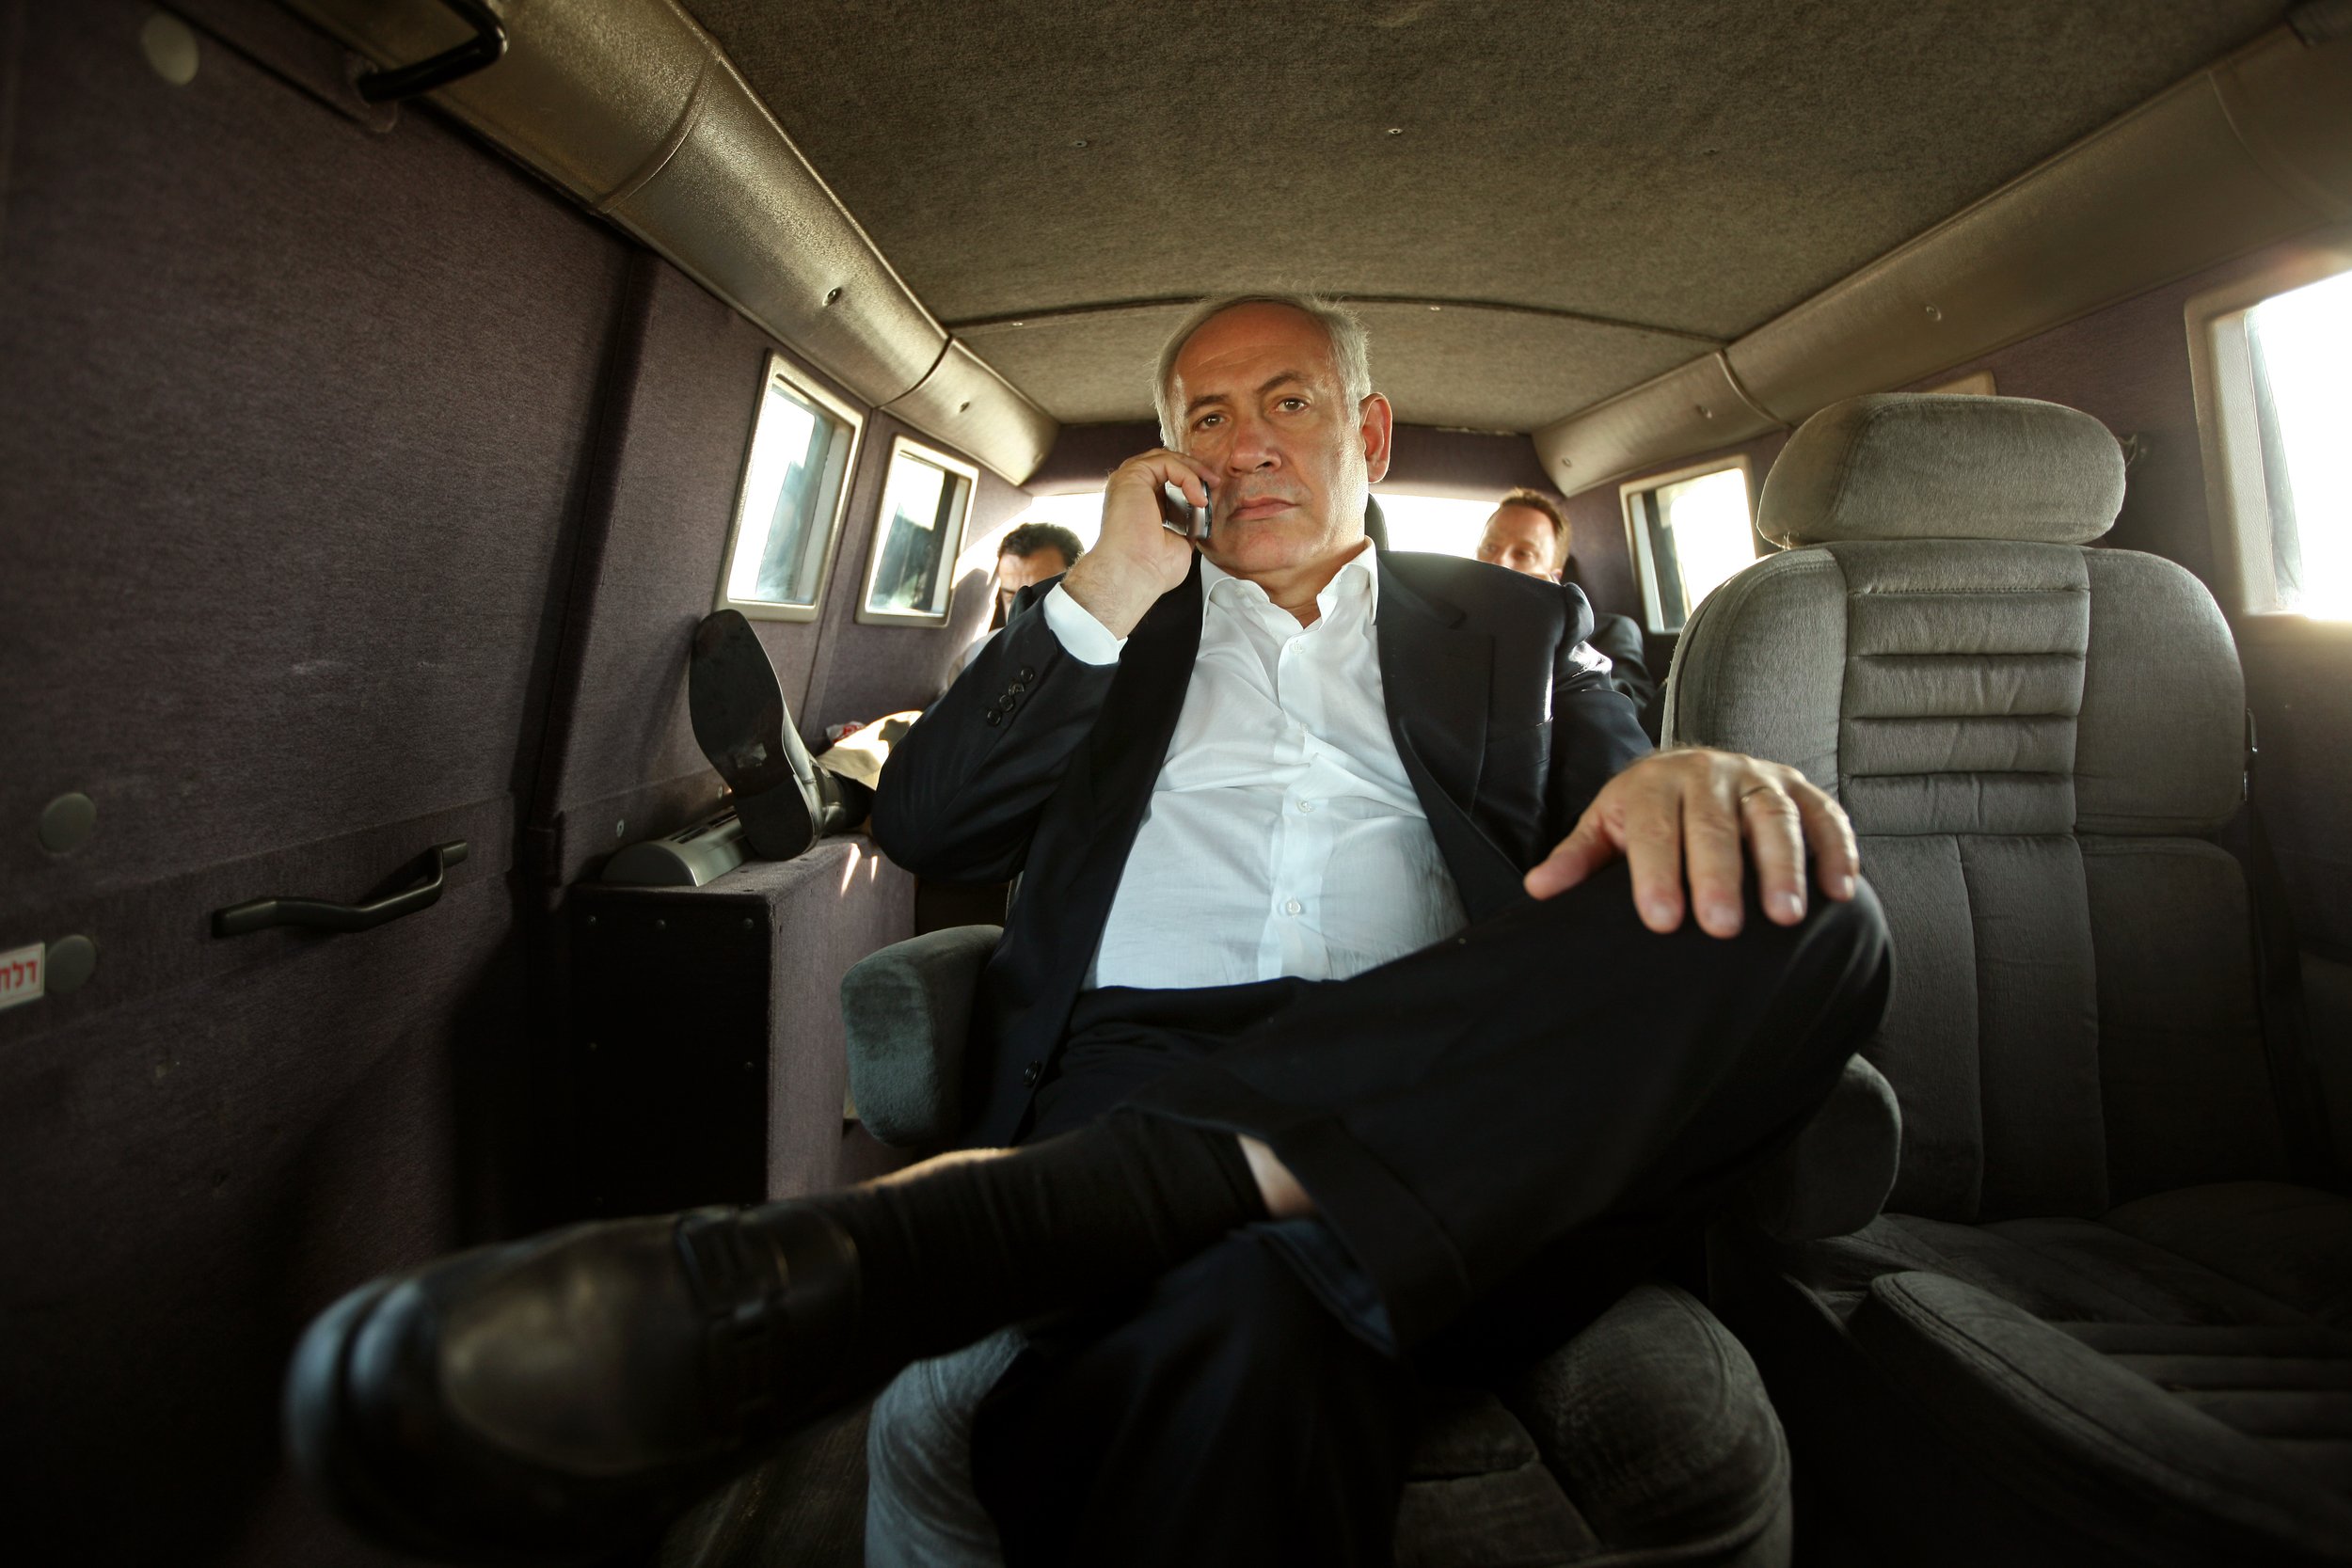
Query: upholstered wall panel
[
  {"x": 2181, "y": 1061},
  {"x": 294, "y": 421},
  {"x": 654, "y": 528},
  {"x": 286, "y": 469},
  {"x": 191, "y": 1179},
  {"x": 863, "y": 672}
]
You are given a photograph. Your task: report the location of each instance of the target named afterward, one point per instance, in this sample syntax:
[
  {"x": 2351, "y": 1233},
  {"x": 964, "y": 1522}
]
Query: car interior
[{"x": 1955, "y": 397}]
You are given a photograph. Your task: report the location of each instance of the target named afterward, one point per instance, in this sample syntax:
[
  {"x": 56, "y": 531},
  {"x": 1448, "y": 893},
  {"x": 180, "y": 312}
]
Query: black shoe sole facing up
[{"x": 745, "y": 727}]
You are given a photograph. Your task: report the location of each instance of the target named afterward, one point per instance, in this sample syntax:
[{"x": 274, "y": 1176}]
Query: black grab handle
[
  {"x": 257, "y": 914},
  {"x": 484, "y": 48}
]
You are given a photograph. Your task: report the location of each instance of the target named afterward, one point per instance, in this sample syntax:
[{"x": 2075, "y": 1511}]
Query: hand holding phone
[{"x": 1179, "y": 515}]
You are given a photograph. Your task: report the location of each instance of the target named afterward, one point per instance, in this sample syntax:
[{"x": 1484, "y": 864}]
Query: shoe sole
[
  {"x": 737, "y": 706},
  {"x": 739, "y": 716}
]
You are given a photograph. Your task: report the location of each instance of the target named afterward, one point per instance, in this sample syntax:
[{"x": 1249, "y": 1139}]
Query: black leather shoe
[
  {"x": 784, "y": 800},
  {"x": 559, "y": 1400}
]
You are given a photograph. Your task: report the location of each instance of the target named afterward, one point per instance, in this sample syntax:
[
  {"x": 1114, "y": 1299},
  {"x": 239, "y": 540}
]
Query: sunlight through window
[{"x": 2301, "y": 344}]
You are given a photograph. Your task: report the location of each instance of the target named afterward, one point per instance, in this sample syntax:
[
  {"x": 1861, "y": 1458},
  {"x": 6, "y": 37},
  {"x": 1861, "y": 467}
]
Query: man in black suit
[
  {"x": 1309, "y": 842},
  {"x": 1528, "y": 532}
]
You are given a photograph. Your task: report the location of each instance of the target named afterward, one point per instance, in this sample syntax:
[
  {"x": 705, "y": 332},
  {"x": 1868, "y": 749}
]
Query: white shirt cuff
[{"x": 1082, "y": 637}]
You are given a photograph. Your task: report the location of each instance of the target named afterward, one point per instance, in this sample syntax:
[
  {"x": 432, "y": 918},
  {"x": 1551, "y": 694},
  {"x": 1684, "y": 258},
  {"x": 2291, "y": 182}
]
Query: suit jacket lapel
[{"x": 1435, "y": 674}]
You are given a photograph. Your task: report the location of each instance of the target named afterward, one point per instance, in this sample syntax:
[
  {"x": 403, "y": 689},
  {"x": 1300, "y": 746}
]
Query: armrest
[
  {"x": 907, "y": 1010},
  {"x": 1833, "y": 1179}
]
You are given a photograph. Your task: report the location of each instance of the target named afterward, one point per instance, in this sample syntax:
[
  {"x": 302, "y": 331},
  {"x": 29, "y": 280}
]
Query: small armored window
[
  {"x": 1690, "y": 532},
  {"x": 2271, "y": 357},
  {"x": 918, "y": 537},
  {"x": 788, "y": 512}
]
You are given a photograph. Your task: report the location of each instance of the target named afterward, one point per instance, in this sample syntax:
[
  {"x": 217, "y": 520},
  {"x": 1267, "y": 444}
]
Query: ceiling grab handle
[
  {"x": 257, "y": 914},
  {"x": 390, "y": 83}
]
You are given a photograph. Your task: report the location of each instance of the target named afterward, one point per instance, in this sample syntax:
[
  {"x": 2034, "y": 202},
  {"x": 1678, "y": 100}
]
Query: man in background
[
  {"x": 1529, "y": 533},
  {"x": 1032, "y": 553}
]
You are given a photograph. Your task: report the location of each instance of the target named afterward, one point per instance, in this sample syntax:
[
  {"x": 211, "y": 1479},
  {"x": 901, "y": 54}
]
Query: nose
[{"x": 1251, "y": 447}]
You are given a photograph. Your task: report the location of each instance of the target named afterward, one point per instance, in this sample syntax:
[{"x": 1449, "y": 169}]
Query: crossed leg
[
  {"x": 1507, "y": 1107},
  {"x": 1114, "y": 1439}
]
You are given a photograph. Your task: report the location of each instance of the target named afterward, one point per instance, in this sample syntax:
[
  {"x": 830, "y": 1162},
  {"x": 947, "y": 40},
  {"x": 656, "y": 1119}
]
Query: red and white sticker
[{"x": 23, "y": 970}]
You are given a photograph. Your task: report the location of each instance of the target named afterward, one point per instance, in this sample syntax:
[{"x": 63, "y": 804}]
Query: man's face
[
  {"x": 1523, "y": 539},
  {"x": 1259, "y": 400},
  {"x": 1016, "y": 572}
]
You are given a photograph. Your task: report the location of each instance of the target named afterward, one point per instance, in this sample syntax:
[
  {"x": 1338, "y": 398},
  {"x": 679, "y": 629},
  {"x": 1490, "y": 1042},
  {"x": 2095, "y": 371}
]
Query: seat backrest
[{"x": 2037, "y": 741}]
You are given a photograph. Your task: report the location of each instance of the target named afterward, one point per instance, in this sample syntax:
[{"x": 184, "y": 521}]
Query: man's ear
[{"x": 1379, "y": 428}]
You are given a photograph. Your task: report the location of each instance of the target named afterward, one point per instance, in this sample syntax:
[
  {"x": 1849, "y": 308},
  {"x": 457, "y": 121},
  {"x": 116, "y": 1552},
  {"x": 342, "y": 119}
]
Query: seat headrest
[{"x": 1937, "y": 465}]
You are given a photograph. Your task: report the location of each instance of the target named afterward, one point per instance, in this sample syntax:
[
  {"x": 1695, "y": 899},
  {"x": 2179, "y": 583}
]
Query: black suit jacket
[{"x": 1038, "y": 766}]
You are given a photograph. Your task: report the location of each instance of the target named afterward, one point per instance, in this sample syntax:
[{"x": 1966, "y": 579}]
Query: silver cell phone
[{"x": 1179, "y": 515}]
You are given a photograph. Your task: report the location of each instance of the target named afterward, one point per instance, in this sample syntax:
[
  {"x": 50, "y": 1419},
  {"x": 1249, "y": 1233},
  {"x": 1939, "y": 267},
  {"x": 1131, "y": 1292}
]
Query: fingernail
[
  {"x": 1841, "y": 886},
  {"x": 1657, "y": 912},
  {"x": 1787, "y": 905}
]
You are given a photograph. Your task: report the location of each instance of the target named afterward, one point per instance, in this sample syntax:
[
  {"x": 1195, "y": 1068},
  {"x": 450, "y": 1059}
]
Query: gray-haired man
[{"x": 1308, "y": 839}]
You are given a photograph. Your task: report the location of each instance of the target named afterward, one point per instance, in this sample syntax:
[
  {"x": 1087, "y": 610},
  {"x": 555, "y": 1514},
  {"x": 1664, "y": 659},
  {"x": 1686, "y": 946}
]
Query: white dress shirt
[{"x": 1283, "y": 837}]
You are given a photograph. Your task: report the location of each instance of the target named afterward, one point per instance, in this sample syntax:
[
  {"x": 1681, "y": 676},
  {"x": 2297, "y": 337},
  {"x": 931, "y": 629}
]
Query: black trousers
[{"x": 1501, "y": 1132}]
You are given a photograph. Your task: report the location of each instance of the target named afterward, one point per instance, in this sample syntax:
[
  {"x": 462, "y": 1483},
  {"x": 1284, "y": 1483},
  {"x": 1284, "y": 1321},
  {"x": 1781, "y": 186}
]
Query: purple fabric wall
[
  {"x": 359, "y": 496},
  {"x": 621, "y": 762},
  {"x": 296, "y": 418}
]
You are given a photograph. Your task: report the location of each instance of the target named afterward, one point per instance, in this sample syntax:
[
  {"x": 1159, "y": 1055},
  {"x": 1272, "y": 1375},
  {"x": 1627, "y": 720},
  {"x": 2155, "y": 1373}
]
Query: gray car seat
[{"x": 2098, "y": 1322}]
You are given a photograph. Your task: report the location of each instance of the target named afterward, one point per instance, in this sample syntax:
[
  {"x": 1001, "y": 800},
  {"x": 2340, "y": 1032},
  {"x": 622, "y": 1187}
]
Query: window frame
[
  {"x": 901, "y": 445},
  {"x": 2228, "y": 424},
  {"x": 1637, "y": 532},
  {"x": 804, "y": 385}
]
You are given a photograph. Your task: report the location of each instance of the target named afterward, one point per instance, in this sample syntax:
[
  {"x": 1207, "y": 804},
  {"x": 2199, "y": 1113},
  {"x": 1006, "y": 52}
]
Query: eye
[
  {"x": 1205, "y": 420},
  {"x": 1293, "y": 404}
]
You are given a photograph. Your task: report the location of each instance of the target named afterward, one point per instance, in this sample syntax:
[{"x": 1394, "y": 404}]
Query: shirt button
[
  {"x": 1292, "y": 907},
  {"x": 1030, "y": 1074},
  {"x": 1306, "y": 805}
]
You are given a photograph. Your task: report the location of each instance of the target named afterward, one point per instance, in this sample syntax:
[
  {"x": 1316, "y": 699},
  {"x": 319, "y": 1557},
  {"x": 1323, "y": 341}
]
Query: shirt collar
[{"x": 1365, "y": 560}]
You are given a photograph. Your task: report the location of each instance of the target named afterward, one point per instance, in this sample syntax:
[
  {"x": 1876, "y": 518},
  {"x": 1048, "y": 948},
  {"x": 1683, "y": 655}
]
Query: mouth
[{"x": 1258, "y": 508}]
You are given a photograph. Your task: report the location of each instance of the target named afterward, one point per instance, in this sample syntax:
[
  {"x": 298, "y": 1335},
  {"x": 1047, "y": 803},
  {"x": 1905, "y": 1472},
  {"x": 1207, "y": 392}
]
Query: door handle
[
  {"x": 392, "y": 83},
  {"x": 256, "y": 914}
]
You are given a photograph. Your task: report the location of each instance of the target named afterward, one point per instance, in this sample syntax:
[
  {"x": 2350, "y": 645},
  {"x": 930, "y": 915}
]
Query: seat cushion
[
  {"x": 2063, "y": 1270},
  {"x": 1656, "y": 1424},
  {"x": 2292, "y": 1243},
  {"x": 2095, "y": 1434},
  {"x": 1647, "y": 1436},
  {"x": 2176, "y": 1372}
]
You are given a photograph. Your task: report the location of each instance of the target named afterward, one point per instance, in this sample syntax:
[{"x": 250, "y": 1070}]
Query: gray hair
[{"x": 1351, "y": 349}]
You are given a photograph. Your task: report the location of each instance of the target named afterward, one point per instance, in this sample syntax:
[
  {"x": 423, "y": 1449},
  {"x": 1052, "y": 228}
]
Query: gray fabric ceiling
[
  {"x": 1464, "y": 367},
  {"x": 1695, "y": 167}
]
